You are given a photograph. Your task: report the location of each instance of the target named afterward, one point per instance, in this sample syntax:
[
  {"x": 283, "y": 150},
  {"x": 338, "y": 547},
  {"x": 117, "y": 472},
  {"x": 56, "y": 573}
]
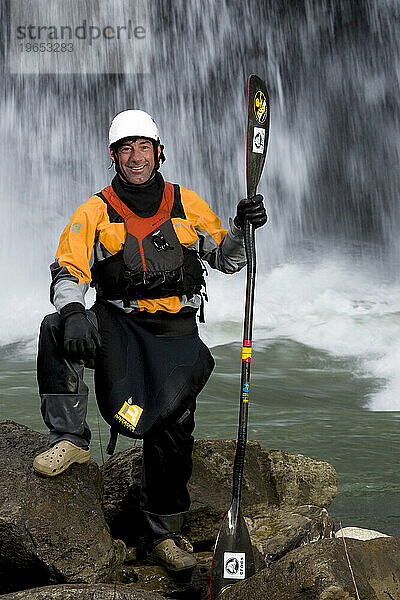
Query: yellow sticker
[
  {"x": 260, "y": 106},
  {"x": 129, "y": 415},
  {"x": 246, "y": 354}
]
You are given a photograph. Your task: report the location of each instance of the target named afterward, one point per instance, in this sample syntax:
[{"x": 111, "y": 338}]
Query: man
[{"x": 140, "y": 242}]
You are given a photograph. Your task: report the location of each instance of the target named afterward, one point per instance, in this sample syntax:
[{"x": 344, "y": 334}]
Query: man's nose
[{"x": 134, "y": 155}]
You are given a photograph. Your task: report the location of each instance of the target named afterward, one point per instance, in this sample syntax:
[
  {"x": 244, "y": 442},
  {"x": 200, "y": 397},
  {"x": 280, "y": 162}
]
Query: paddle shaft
[{"x": 246, "y": 362}]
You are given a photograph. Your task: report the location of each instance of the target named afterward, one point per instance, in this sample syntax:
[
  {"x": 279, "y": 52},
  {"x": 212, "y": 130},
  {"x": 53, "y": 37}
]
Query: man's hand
[
  {"x": 253, "y": 210},
  {"x": 81, "y": 338}
]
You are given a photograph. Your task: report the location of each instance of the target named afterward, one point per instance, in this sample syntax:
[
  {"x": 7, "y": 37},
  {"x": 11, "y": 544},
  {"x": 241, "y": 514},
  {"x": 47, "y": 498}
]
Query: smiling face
[{"x": 136, "y": 160}]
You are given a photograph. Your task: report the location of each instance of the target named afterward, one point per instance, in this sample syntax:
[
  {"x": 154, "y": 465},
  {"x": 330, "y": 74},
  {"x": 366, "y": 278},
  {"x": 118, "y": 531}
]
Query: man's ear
[
  {"x": 159, "y": 150},
  {"x": 112, "y": 155}
]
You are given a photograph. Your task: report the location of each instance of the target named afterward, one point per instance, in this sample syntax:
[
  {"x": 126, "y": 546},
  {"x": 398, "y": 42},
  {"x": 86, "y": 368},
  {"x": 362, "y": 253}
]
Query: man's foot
[
  {"x": 59, "y": 457},
  {"x": 170, "y": 556}
]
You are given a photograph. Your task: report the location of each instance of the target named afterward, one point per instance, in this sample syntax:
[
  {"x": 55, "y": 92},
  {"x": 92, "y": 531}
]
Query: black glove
[
  {"x": 81, "y": 338},
  {"x": 253, "y": 210}
]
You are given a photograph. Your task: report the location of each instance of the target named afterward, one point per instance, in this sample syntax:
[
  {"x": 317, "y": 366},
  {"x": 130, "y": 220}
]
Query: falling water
[{"x": 332, "y": 69}]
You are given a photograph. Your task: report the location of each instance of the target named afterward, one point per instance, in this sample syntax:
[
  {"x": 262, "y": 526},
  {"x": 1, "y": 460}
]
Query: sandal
[{"x": 59, "y": 457}]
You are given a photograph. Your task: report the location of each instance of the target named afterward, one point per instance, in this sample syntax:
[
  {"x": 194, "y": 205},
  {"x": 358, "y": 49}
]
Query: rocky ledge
[{"x": 78, "y": 536}]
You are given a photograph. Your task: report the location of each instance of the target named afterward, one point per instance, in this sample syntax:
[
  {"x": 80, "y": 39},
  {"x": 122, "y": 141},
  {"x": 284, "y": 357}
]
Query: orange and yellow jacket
[{"x": 94, "y": 234}]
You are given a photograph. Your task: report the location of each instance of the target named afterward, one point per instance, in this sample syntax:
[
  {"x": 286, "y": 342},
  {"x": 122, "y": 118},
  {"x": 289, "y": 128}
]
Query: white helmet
[{"x": 133, "y": 123}]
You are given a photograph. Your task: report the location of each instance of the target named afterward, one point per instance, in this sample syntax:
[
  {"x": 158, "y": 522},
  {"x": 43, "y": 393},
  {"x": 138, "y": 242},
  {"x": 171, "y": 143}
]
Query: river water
[{"x": 325, "y": 373}]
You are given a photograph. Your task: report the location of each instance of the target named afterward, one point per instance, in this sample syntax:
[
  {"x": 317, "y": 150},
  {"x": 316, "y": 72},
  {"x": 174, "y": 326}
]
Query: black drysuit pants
[{"x": 167, "y": 446}]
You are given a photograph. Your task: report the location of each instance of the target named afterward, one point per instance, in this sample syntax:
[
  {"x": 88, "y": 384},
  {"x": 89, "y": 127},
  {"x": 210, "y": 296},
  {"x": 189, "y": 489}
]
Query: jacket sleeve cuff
[
  {"x": 236, "y": 232},
  {"x": 72, "y": 308}
]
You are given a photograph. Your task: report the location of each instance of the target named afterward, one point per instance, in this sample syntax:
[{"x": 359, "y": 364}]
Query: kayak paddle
[{"x": 233, "y": 558}]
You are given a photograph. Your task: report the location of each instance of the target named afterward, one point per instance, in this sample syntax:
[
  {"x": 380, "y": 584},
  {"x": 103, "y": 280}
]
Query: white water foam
[{"x": 329, "y": 306}]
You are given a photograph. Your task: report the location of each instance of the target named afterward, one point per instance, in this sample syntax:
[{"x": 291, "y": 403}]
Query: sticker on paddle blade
[
  {"x": 258, "y": 140},
  {"x": 129, "y": 415},
  {"x": 234, "y": 565},
  {"x": 260, "y": 106}
]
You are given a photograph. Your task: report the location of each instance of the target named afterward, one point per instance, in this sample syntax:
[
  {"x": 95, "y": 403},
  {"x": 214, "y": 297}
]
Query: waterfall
[{"x": 332, "y": 171}]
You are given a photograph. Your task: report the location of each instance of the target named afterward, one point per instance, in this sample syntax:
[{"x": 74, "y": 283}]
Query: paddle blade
[
  {"x": 233, "y": 558},
  {"x": 257, "y": 132}
]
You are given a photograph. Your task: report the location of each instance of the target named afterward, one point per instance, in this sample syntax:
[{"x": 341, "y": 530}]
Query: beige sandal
[{"x": 59, "y": 457}]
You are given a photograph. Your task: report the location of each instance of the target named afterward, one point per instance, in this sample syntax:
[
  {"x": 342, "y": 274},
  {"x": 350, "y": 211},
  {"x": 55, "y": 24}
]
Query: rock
[
  {"x": 194, "y": 585},
  {"x": 210, "y": 487},
  {"x": 122, "y": 476},
  {"x": 357, "y": 533},
  {"x": 275, "y": 532},
  {"x": 271, "y": 478},
  {"x": 74, "y": 592},
  {"x": 52, "y": 530},
  {"x": 300, "y": 480},
  {"x": 320, "y": 571},
  {"x": 272, "y": 536}
]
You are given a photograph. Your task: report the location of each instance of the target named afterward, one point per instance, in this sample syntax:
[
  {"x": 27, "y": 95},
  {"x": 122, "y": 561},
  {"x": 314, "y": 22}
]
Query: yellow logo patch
[
  {"x": 260, "y": 106},
  {"x": 129, "y": 415}
]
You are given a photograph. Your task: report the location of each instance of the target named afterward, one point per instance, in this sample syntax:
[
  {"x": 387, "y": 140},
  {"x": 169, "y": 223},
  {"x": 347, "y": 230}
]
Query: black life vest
[{"x": 152, "y": 262}]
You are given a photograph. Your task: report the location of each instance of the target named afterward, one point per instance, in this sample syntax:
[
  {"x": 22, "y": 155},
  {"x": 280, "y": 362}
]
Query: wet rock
[
  {"x": 52, "y": 530},
  {"x": 74, "y": 592},
  {"x": 274, "y": 532},
  {"x": 320, "y": 571},
  {"x": 191, "y": 585},
  {"x": 271, "y": 478},
  {"x": 300, "y": 479}
]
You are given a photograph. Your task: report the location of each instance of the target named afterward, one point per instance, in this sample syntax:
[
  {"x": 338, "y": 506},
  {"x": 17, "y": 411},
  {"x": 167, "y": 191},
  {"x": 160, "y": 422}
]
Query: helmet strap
[
  {"x": 116, "y": 161},
  {"x": 158, "y": 159}
]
